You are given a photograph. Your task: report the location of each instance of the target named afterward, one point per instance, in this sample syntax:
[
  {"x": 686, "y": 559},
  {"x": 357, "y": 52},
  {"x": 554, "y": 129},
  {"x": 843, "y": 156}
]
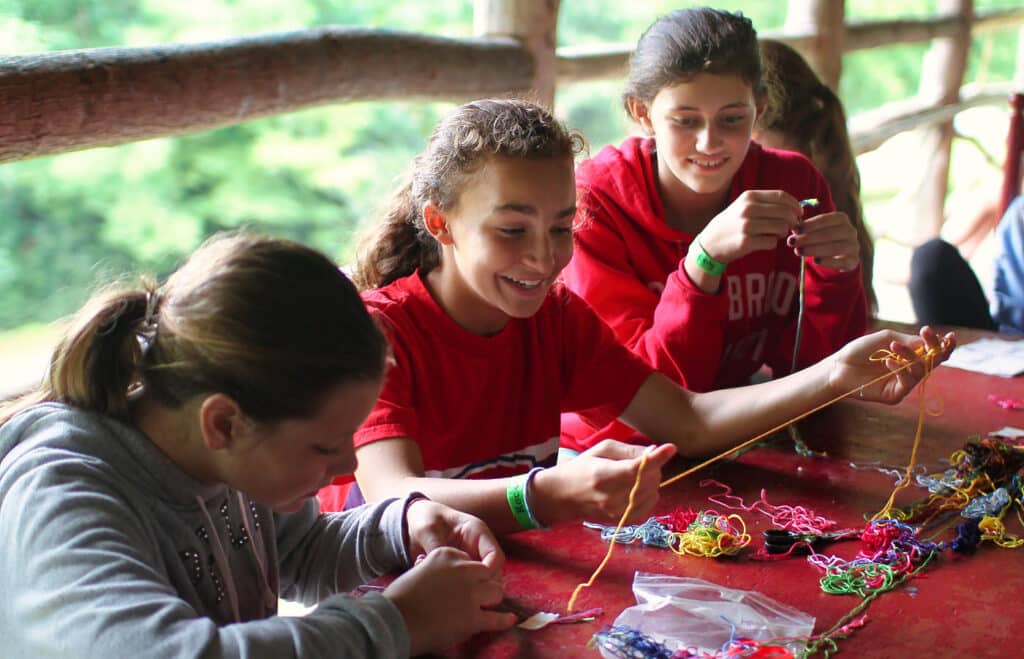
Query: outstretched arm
[{"x": 705, "y": 423}]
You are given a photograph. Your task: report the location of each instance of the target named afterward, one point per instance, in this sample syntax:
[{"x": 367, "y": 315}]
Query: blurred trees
[{"x": 75, "y": 220}]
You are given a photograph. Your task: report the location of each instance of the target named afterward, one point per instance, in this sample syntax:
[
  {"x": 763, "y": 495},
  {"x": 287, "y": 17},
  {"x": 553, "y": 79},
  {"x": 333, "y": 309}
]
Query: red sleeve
[
  {"x": 394, "y": 415},
  {"x": 835, "y": 309},
  {"x": 680, "y": 334},
  {"x": 600, "y": 376}
]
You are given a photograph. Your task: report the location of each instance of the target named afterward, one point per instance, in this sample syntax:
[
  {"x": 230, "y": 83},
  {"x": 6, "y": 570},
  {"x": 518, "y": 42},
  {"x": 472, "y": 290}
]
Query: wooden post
[
  {"x": 1018, "y": 75},
  {"x": 942, "y": 73},
  {"x": 534, "y": 24},
  {"x": 824, "y": 22},
  {"x": 1014, "y": 151}
]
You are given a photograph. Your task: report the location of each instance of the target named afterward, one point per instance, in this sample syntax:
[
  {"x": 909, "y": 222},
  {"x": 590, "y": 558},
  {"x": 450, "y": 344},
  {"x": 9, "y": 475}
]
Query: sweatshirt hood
[
  {"x": 60, "y": 427},
  {"x": 54, "y": 431},
  {"x": 626, "y": 177}
]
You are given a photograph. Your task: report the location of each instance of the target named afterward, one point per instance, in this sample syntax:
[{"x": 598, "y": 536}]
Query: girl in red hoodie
[
  {"x": 692, "y": 235},
  {"x": 488, "y": 348}
]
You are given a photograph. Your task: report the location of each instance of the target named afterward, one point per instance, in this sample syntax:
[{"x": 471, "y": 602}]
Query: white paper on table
[
  {"x": 991, "y": 356},
  {"x": 1009, "y": 432},
  {"x": 538, "y": 620}
]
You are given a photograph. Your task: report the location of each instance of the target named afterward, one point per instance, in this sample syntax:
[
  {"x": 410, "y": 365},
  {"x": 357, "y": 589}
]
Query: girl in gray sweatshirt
[{"x": 156, "y": 492}]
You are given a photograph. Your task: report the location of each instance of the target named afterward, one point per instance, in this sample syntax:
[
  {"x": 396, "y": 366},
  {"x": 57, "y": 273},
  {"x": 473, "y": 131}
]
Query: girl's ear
[
  {"x": 641, "y": 114},
  {"x": 436, "y": 223},
  {"x": 221, "y": 421}
]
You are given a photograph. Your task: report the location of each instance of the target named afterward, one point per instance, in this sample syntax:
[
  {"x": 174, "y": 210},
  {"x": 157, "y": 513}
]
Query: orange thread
[
  {"x": 611, "y": 545},
  {"x": 878, "y": 355},
  {"x": 887, "y": 508}
]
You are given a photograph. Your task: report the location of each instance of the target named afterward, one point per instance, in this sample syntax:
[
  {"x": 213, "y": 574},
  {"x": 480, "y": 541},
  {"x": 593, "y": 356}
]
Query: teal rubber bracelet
[
  {"x": 706, "y": 263},
  {"x": 516, "y": 495}
]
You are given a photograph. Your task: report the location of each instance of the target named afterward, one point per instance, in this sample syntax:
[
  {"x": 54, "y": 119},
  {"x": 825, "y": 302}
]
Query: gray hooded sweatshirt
[{"x": 108, "y": 549}]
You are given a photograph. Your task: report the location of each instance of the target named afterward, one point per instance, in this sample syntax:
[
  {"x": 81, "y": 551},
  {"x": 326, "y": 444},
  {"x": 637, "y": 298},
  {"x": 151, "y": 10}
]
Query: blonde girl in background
[{"x": 803, "y": 114}]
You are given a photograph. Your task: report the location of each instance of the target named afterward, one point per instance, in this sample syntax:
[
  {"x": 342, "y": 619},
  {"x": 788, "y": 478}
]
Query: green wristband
[
  {"x": 706, "y": 263},
  {"x": 516, "y": 495}
]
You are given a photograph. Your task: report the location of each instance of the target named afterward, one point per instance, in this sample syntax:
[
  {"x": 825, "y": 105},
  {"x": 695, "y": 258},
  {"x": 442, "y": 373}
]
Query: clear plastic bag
[{"x": 684, "y": 612}]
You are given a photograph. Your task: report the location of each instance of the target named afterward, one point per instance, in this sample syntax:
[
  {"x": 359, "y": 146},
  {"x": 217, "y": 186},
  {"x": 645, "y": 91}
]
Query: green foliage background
[{"x": 73, "y": 221}]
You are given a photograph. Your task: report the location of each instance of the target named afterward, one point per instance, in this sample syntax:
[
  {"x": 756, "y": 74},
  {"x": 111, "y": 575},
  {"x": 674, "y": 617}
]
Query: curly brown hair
[{"x": 458, "y": 147}]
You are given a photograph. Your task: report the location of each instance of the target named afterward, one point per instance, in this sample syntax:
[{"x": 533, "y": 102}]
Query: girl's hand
[
  {"x": 830, "y": 239},
  {"x": 756, "y": 220},
  {"x": 445, "y": 597},
  {"x": 852, "y": 366},
  {"x": 432, "y": 525},
  {"x": 595, "y": 485}
]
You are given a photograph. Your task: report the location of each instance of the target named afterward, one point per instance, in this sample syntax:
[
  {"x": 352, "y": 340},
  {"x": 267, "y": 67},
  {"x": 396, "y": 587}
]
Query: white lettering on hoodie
[{"x": 752, "y": 295}]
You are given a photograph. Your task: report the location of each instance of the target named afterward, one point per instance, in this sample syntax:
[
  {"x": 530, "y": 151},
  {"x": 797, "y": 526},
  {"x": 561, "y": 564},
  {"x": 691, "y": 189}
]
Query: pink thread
[
  {"x": 856, "y": 623},
  {"x": 1006, "y": 403},
  {"x": 791, "y": 518}
]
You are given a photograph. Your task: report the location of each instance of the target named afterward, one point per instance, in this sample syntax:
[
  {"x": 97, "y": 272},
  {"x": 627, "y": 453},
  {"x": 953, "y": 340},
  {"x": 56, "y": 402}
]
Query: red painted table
[{"x": 957, "y": 607}]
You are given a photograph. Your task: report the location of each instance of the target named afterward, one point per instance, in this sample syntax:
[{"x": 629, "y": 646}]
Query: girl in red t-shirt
[{"x": 489, "y": 349}]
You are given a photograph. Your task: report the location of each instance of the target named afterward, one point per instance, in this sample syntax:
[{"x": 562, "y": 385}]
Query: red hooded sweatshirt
[{"x": 628, "y": 265}]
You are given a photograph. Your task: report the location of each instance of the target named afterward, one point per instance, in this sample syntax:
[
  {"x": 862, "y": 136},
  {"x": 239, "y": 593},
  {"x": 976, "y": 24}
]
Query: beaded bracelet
[{"x": 706, "y": 263}]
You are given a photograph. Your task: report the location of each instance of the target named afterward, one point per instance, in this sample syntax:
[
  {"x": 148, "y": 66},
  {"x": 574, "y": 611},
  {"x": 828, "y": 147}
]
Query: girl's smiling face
[
  {"x": 702, "y": 128},
  {"x": 504, "y": 242}
]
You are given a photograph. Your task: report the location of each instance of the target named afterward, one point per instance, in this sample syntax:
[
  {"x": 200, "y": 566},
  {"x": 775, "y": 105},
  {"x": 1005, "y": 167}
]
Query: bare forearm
[
  {"x": 700, "y": 424},
  {"x": 485, "y": 499}
]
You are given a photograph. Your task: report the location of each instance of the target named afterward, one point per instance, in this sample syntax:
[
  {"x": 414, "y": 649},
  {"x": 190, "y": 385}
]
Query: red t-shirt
[
  {"x": 489, "y": 406},
  {"x": 628, "y": 265}
]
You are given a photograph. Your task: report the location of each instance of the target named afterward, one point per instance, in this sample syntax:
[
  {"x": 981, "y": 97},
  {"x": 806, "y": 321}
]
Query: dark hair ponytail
[
  {"x": 399, "y": 246},
  {"x": 96, "y": 360},
  {"x": 270, "y": 322},
  {"x": 458, "y": 147}
]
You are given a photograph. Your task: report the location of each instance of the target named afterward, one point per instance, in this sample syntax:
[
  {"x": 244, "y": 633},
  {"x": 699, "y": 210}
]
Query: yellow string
[
  {"x": 956, "y": 500},
  {"x": 878, "y": 355},
  {"x": 887, "y": 508},
  {"x": 611, "y": 545},
  {"x": 711, "y": 540},
  {"x": 992, "y": 528}
]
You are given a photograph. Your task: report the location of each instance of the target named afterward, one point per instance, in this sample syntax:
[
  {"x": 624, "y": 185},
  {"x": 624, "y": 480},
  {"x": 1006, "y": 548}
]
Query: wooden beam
[
  {"x": 998, "y": 19},
  {"x": 579, "y": 64},
  {"x": 604, "y": 62},
  {"x": 610, "y": 61},
  {"x": 864, "y": 35},
  {"x": 72, "y": 100},
  {"x": 870, "y": 129}
]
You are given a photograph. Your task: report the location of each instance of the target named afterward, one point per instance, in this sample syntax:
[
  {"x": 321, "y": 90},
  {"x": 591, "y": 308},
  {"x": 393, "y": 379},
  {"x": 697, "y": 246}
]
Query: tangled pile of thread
[
  {"x": 686, "y": 532},
  {"x": 979, "y": 491}
]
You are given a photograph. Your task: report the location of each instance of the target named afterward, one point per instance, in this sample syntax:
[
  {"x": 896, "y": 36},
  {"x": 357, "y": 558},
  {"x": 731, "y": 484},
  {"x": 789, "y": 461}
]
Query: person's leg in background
[{"x": 944, "y": 289}]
